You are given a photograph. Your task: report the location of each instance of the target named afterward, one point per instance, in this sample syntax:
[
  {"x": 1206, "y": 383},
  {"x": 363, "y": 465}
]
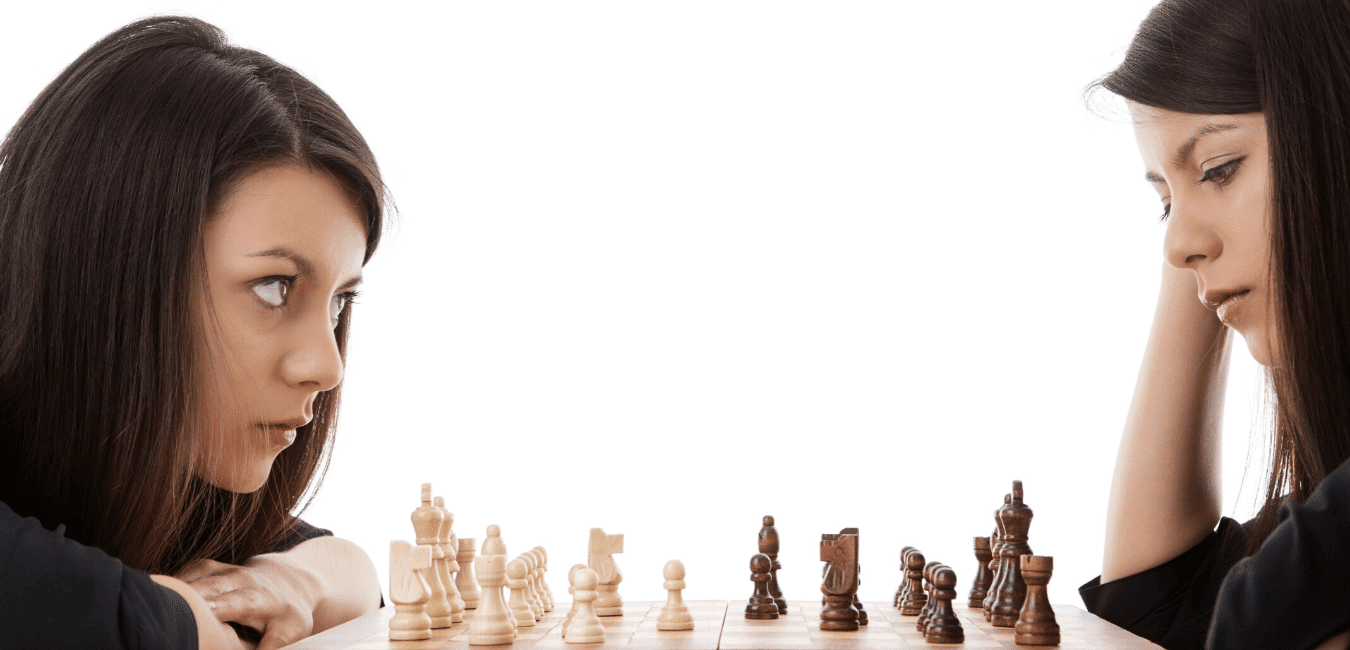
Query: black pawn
[
  {"x": 914, "y": 598},
  {"x": 761, "y": 607},
  {"x": 943, "y": 625}
]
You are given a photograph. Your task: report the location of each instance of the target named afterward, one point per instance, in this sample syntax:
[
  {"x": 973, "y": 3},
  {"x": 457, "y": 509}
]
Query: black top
[
  {"x": 58, "y": 593},
  {"x": 1292, "y": 593}
]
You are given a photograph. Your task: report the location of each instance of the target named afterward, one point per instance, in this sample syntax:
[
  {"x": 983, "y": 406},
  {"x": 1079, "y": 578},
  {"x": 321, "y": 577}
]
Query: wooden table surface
[{"x": 721, "y": 625}]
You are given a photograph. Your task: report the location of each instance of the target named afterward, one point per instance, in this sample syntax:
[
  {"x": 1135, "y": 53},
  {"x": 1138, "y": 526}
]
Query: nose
[
  {"x": 313, "y": 361},
  {"x": 1189, "y": 240}
]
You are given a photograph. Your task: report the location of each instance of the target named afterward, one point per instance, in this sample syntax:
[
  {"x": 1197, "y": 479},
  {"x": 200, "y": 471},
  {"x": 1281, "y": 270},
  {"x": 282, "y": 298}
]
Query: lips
[
  {"x": 282, "y": 434},
  {"x": 1223, "y": 302}
]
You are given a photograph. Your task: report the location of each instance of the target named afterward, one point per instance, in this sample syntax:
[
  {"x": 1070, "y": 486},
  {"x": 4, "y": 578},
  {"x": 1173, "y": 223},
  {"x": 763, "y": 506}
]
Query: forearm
[
  {"x": 212, "y": 634},
  {"x": 1165, "y": 493},
  {"x": 351, "y": 586}
]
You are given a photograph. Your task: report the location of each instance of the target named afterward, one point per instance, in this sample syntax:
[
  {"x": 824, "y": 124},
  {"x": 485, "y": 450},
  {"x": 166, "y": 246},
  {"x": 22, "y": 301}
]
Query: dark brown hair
[
  {"x": 1290, "y": 60},
  {"x": 106, "y": 183}
]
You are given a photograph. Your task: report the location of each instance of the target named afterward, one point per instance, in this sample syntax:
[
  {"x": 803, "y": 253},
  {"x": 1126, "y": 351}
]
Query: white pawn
[
  {"x": 515, "y": 581},
  {"x": 674, "y": 616},
  {"x": 409, "y": 591},
  {"x": 450, "y": 567},
  {"x": 492, "y": 624},
  {"x": 493, "y": 544},
  {"x": 571, "y": 589},
  {"x": 531, "y": 594},
  {"x": 543, "y": 585},
  {"x": 585, "y": 626}
]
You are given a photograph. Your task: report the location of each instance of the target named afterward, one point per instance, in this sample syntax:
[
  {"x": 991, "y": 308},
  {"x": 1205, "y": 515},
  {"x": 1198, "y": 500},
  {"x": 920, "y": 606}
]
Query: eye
[
  {"x": 1221, "y": 175},
  {"x": 274, "y": 290},
  {"x": 339, "y": 305}
]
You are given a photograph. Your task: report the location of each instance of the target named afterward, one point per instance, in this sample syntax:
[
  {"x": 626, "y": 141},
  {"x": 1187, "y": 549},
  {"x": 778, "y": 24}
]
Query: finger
[
  {"x": 198, "y": 569},
  {"x": 282, "y": 632},
  {"x": 211, "y": 587},
  {"x": 247, "y": 606}
]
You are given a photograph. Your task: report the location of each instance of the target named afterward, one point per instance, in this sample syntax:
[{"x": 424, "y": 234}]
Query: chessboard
[{"x": 719, "y": 625}]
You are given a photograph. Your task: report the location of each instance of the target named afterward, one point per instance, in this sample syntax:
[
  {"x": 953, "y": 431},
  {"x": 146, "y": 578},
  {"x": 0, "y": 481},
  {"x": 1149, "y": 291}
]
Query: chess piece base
[
  {"x": 491, "y": 639},
  {"x": 675, "y": 622},
  {"x": 1036, "y": 639},
  {"x": 761, "y": 611},
  {"x": 945, "y": 634}
]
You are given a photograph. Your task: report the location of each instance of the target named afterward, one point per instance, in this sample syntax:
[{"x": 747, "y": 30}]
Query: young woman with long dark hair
[
  {"x": 1242, "y": 114},
  {"x": 182, "y": 227}
]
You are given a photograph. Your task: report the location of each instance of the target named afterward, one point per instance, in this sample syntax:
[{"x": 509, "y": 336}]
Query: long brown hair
[
  {"x": 106, "y": 182},
  {"x": 1291, "y": 61}
]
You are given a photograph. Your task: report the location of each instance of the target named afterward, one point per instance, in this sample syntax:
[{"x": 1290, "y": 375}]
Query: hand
[{"x": 267, "y": 593}]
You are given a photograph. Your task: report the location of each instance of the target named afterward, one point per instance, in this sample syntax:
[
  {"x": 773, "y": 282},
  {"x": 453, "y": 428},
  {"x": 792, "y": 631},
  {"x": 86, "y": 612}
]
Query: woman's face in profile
[
  {"x": 283, "y": 255},
  {"x": 1213, "y": 175}
]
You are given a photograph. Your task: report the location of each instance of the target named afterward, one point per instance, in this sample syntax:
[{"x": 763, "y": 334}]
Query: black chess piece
[
  {"x": 840, "y": 583},
  {"x": 979, "y": 588},
  {"x": 768, "y": 545},
  {"x": 914, "y": 598},
  {"x": 1012, "y": 589},
  {"x": 927, "y": 610},
  {"x": 857, "y": 604},
  {"x": 761, "y": 607},
  {"x": 943, "y": 624},
  {"x": 904, "y": 579}
]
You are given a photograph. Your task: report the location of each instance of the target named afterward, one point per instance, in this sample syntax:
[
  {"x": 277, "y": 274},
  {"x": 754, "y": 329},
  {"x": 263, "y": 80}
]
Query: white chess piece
[
  {"x": 674, "y": 616},
  {"x": 531, "y": 594},
  {"x": 519, "y": 603},
  {"x": 493, "y": 544},
  {"x": 571, "y": 589},
  {"x": 409, "y": 591},
  {"x": 601, "y": 560},
  {"x": 449, "y": 567},
  {"x": 465, "y": 581},
  {"x": 491, "y": 624},
  {"x": 543, "y": 584},
  {"x": 585, "y": 626},
  {"x": 427, "y": 521}
]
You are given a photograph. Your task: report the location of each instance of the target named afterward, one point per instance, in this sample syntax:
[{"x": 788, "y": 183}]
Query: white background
[{"x": 664, "y": 268}]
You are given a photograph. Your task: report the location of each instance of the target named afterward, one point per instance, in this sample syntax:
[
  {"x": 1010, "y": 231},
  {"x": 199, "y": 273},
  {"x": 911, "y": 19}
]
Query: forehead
[
  {"x": 1162, "y": 133},
  {"x": 294, "y": 207}
]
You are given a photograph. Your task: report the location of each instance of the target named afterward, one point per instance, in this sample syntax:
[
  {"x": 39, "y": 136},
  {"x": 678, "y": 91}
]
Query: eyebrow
[
  {"x": 1188, "y": 147},
  {"x": 306, "y": 267}
]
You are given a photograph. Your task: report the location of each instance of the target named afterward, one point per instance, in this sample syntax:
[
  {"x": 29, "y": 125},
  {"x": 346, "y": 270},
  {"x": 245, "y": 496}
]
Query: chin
[
  {"x": 244, "y": 482},
  {"x": 1259, "y": 348}
]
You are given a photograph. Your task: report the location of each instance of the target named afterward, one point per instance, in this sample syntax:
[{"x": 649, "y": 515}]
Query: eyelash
[
  {"x": 348, "y": 297},
  {"x": 1220, "y": 175}
]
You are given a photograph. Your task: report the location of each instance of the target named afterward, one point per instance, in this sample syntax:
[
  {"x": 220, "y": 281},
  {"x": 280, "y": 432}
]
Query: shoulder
[
  {"x": 58, "y": 593},
  {"x": 1292, "y": 589}
]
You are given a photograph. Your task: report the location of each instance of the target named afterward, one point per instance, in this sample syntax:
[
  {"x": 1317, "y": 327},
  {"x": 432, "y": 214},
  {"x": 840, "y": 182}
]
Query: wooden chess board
[{"x": 719, "y": 625}]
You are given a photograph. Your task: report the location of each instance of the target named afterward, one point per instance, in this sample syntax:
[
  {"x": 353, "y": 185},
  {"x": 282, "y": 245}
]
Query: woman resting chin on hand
[
  {"x": 1241, "y": 110},
  {"x": 184, "y": 224}
]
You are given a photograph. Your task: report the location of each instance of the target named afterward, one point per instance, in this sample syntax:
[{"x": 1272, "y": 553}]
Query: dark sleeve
[
  {"x": 57, "y": 593},
  {"x": 1292, "y": 592},
  {"x": 299, "y": 532},
  {"x": 1172, "y": 603}
]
